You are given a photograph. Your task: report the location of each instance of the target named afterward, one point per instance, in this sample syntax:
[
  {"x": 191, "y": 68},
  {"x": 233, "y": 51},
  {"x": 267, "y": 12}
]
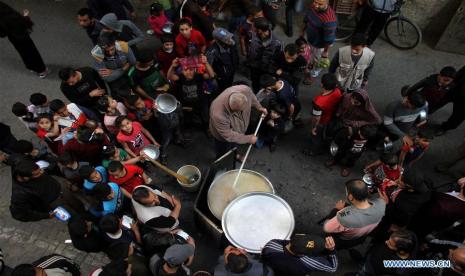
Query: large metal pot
[
  {"x": 221, "y": 192},
  {"x": 253, "y": 219}
]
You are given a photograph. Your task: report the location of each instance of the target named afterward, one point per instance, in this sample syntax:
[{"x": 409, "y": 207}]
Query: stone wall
[{"x": 432, "y": 16}]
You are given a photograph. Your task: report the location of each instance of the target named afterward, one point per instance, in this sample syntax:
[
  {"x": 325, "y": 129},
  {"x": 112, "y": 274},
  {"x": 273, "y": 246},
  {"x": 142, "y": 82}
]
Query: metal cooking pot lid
[
  {"x": 253, "y": 219},
  {"x": 166, "y": 103}
]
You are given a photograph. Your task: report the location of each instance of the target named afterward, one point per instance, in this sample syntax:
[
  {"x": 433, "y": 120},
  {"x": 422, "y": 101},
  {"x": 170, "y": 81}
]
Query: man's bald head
[
  {"x": 237, "y": 101},
  {"x": 457, "y": 259}
]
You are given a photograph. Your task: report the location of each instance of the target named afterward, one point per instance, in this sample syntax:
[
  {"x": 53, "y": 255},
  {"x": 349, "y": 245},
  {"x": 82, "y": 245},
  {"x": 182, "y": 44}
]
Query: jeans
[{"x": 377, "y": 21}]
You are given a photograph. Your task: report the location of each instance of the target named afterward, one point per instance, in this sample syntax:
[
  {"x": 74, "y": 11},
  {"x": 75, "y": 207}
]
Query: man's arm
[
  {"x": 21, "y": 210},
  {"x": 389, "y": 123},
  {"x": 316, "y": 116},
  {"x": 366, "y": 73},
  {"x": 136, "y": 31}
]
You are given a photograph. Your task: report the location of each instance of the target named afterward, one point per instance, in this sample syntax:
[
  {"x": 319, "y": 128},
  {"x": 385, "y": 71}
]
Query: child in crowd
[
  {"x": 48, "y": 130},
  {"x": 191, "y": 87},
  {"x": 24, "y": 115},
  {"x": 112, "y": 110},
  {"x": 141, "y": 110},
  {"x": 128, "y": 177},
  {"x": 70, "y": 168},
  {"x": 113, "y": 153},
  {"x": 133, "y": 136},
  {"x": 350, "y": 146},
  {"x": 69, "y": 116},
  {"x": 385, "y": 168},
  {"x": 157, "y": 18},
  {"x": 410, "y": 154},
  {"x": 93, "y": 176},
  {"x": 166, "y": 53},
  {"x": 189, "y": 40},
  {"x": 114, "y": 230},
  {"x": 109, "y": 198},
  {"x": 39, "y": 104},
  {"x": 305, "y": 50},
  {"x": 246, "y": 28}
]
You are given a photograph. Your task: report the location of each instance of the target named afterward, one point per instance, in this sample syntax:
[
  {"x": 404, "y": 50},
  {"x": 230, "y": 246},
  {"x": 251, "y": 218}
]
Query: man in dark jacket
[
  {"x": 223, "y": 57},
  {"x": 82, "y": 86},
  {"x": 263, "y": 47},
  {"x": 35, "y": 195},
  {"x": 289, "y": 65},
  {"x": 48, "y": 265},
  {"x": 458, "y": 99},
  {"x": 90, "y": 24},
  {"x": 101, "y": 7}
]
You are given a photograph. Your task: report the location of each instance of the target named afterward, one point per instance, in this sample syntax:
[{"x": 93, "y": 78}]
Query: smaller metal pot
[
  {"x": 166, "y": 103},
  {"x": 368, "y": 179}
]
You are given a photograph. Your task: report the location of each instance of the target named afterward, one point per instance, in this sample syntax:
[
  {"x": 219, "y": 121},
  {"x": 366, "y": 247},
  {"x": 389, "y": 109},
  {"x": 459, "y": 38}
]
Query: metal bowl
[
  {"x": 166, "y": 103},
  {"x": 168, "y": 28},
  {"x": 151, "y": 151},
  {"x": 368, "y": 179},
  {"x": 253, "y": 219},
  {"x": 333, "y": 148}
]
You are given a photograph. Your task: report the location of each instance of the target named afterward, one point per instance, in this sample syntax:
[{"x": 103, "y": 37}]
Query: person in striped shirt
[
  {"x": 301, "y": 255},
  {"x": 320, "y": 24}
]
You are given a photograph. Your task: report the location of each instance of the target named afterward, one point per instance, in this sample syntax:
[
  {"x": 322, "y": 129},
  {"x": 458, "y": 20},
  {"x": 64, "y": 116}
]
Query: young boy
[
  {"x": 113, "y": 153},
  {"x": 145, "y": 78},
  {"x": 39, "y": 104},
  {"x": 189, "y": 40},
  {"x": 191, "y": 87},
  {"x": 142, "y": 111},
  {"x": 70, "y": 168},
  {"x": 24, "y": 115},
  {"x": 324, "y": 109},
  {"x": 92, "y": 176},
  {"x": 157, "y": 18},
  {"x": 289, "y": 65},
  {"x": 385, "y": 168},
  {"x": 110, "y": 198},
  {"x": 114, "y": 231},
  {"x": 246, "y": 28},
  {"x": 128, "y": 177},
  {"x": 435, "y": 89},
  {"x": 166, "y": 54},
  {"x": 112, "y": 110},
  {"x": 351, "y": 145},
  {"x": 305, "y": 51},
  {"x": 69, "y": 116},
  {"x": 410, "y": 154}
]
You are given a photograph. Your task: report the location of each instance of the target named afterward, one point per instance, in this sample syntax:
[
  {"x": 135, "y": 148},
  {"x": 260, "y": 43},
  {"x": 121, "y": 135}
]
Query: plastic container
[
  {"x": 62, "y": 214},
  {"x": 190, "y": 171}
]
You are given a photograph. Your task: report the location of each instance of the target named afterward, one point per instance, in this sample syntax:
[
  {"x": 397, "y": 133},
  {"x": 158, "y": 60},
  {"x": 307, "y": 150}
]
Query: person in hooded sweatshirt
[{"x": 123, "y": 30}]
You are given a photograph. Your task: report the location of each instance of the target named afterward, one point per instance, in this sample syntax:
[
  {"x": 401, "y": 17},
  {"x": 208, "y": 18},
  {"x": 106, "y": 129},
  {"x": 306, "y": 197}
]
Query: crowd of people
[{"x": 89, "y": 169}]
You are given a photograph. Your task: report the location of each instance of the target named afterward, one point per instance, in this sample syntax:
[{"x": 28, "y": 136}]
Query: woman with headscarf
[
  {"x": 17, "y": 28},
  {"x": 356, "y": 110}
]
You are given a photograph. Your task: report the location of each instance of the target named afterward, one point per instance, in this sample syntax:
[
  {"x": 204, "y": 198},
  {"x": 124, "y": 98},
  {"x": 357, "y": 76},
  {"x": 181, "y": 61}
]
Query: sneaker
[{"x": 45, "y": 73}]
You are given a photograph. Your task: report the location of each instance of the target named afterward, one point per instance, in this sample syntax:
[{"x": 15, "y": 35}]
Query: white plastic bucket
[{"x": 189, "y": 171}]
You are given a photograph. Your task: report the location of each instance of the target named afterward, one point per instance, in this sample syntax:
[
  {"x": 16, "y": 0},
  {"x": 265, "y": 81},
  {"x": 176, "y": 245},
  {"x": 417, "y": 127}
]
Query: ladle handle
[
  {"x": 181, "y": 178},
  {"x": 247, "y": 153}
]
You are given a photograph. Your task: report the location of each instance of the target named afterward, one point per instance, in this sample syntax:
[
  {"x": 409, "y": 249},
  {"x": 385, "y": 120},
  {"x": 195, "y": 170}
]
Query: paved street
[{"x": 309, "y": 187}]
